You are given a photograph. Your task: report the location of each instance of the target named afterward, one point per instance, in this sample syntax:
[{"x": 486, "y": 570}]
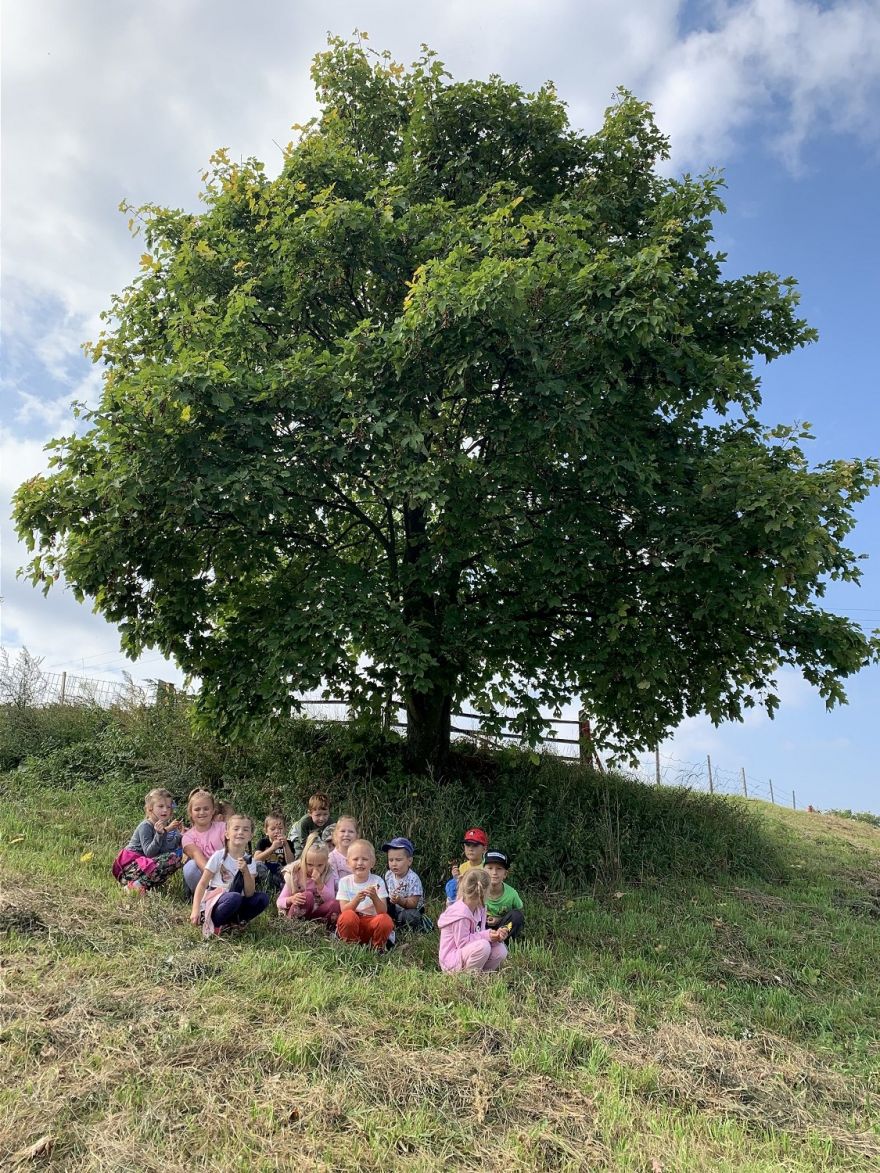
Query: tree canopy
[{"x": 460, "y": 405}]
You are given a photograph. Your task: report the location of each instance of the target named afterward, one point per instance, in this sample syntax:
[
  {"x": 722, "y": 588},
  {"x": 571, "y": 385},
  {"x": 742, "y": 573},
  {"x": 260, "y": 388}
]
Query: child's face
[
  {"x": 360, "y": 860},
  {"x": 497, "y": 874},
  {"x": 473, "y": 852},
  {"x": 344, "y": 835},
  {"x": 201, "y": 810},
  {"x": 316, "y": 862},
  {"x": 399, "y": 862},
  {"x": 275, "y": 829},
  {"x": 320, "y": 815},
  {"x": 160, "y": 810},
  {"x": 238, "y": 832}
]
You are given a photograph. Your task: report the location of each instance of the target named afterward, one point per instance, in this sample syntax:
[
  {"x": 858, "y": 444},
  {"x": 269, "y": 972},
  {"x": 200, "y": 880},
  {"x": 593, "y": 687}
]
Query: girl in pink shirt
[
  {"x": 206, "y": 834},
  {"x": 466, "y": 945},
  {"x": 344, "y": 834},
  {"x": 309, "y": 891}
]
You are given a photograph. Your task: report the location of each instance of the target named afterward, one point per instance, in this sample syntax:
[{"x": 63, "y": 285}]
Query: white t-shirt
[
  {"x": 223, "y": 871},
  {"x": 408, "y": 885},
  {"x": 349, "y": 888}
]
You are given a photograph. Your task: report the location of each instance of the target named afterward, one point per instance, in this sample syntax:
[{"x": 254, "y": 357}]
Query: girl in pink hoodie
[{"x": 465, "y": 942}]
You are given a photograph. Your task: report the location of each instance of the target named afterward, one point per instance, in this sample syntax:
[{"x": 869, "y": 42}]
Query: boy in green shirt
[{"x": 504, "y": 909}]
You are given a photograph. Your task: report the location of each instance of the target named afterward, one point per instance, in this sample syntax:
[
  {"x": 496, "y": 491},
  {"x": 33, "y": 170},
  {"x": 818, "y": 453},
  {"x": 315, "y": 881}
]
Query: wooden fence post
[
  {"x": 793, "y": 801},
  {"x": 586, "y": 749},
  {"x": 772, "y": 799},
  {"x": 63, "y": 686},
  {"x": 745, "y": 788},
  {"x": 709, "y": 764},
  {"x": 657, "y": 764}
]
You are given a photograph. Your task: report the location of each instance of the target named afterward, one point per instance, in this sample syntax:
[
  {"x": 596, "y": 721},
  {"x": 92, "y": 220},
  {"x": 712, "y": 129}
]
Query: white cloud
[{"x": 784, "y": 69}]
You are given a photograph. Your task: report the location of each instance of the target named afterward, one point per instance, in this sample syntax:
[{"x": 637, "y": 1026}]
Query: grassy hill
[{"x": 707, "y": 1003}]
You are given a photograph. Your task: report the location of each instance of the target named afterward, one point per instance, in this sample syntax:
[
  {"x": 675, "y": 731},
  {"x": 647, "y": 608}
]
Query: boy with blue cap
[{"x": 406, "y": 897}]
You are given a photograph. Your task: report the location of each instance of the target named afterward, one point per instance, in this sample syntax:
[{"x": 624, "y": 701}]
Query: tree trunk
[
  {"x": 428, "y": 718},
  {"x": 428, "y": 712}
]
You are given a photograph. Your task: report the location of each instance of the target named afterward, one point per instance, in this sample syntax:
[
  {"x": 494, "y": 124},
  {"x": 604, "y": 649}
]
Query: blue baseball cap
[{"x": 402, "y": 842}]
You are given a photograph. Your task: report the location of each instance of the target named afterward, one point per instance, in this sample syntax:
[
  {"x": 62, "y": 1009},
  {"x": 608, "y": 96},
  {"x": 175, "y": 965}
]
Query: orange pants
[{"x": 368, "y": 930}]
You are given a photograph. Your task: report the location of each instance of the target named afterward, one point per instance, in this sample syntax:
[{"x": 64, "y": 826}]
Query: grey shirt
[{"x": 147, "y": 841}]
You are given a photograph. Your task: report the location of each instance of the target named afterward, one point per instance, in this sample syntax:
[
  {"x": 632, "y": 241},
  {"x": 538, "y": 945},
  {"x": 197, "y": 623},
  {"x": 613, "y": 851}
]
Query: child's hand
[
  {"x": 455, "y": 871},
  {"x": 175, "y": 825},
  {"x": 495, "y": 936},
  {"x": 159, "y": 828},
  {"x": 298, "y": 899},
  {"x": 504, "y": 933},
  {"x": 278, "y": 844},
  {"x": 194, "y": 916},
  {"x": 242, "y": 864}
]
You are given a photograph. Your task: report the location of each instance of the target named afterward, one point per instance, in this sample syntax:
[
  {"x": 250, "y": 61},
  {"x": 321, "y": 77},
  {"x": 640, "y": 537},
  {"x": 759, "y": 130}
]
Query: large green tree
[{"x": 461, "y": 404}]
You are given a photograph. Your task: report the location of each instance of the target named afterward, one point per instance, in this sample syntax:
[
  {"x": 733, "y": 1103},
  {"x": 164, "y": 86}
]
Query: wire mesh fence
[
  {"x": 664, "y": 769},
  {"x": 23, "y": 683}
]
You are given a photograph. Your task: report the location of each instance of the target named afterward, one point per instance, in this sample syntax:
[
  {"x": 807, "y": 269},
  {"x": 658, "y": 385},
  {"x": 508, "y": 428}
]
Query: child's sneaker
[{"x": 135, "y": 886}]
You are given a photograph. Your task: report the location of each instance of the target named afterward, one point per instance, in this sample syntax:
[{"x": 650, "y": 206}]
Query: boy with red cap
[{"x": 475, "y": 843}]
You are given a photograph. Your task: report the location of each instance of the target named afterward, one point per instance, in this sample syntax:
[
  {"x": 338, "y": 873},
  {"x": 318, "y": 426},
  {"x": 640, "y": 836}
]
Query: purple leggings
[{"x": 233, "y": 906}]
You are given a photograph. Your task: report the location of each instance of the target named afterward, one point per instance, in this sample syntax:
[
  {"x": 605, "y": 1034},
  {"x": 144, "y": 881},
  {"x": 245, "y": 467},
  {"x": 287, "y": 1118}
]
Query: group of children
[{"x": 320, "y": 871}]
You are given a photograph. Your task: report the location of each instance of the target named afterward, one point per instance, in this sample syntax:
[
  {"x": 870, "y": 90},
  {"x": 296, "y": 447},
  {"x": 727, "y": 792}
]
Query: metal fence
[{"x": 664, "y": 769}]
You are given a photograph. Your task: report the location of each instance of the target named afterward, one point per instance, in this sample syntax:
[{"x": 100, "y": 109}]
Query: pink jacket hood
[{"x": 458, "y": 910}]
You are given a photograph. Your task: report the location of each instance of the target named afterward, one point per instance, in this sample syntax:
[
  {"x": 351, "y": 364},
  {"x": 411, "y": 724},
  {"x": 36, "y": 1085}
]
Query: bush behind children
[{"x": 323, "y": 872}]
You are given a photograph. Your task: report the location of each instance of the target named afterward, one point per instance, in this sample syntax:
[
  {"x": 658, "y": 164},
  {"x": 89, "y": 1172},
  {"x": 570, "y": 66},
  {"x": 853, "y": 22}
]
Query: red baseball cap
[{"x": 476, "y": 835}]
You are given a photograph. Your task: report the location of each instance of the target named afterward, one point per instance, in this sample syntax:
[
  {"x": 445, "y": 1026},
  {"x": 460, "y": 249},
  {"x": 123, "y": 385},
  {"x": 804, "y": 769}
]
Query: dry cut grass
[{"x": 128, "y": 1042}]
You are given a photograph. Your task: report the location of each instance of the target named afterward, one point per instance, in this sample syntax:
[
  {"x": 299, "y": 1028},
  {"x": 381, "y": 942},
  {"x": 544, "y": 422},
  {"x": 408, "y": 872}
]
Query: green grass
[{"x": 662, "y": 1023}]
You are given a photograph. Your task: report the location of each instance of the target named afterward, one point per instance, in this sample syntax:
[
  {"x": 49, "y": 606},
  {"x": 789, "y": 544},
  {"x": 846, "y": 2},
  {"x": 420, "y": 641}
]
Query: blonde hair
[
  {"x": 362, "y": 843},
  {"x": 345, "y": 819},
  {"x": 314, "y": 843},
  {"x": 475, "y": 881},
  {"x": 195, "y": 794},
  {"x": 155, "y": 794}
]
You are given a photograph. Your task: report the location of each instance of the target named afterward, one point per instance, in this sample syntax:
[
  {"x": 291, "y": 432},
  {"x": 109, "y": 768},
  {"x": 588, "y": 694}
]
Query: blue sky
[{"x": 104, "y": 101}]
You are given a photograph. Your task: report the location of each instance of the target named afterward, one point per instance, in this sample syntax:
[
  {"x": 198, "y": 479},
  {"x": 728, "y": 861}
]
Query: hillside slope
[{"x": 675, "y": 1023}]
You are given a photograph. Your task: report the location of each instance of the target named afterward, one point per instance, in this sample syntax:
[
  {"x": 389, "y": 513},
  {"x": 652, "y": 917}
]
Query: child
[
  {"x": 309, "y": 891},
  {"x": 344, "y": 834},
  {"x": 274, "y": 850},
  {"x": 466, "y": 945},
  {"x": 406, "y": 898},
  {"x": 503, "y": 904},
  {"x": 318, "y": 819},
  {"x": 363, "y": 912},
  {"x": 206, "y": 834},
  {"x": 226, "y": 893},
  {"x": 475, "y": 843},
  {"x": 153, "y": 852}
]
